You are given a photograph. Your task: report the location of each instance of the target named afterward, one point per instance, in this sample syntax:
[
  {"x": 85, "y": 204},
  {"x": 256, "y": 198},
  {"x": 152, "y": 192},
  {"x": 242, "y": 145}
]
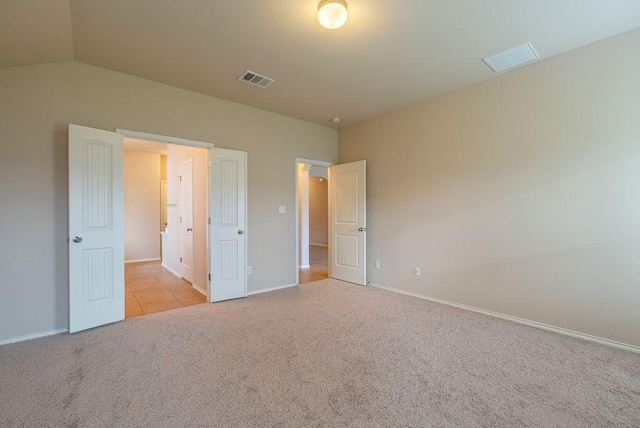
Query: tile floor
[
  {"x": 318, "y": 259},
  {"x": 150, "y": 288}
]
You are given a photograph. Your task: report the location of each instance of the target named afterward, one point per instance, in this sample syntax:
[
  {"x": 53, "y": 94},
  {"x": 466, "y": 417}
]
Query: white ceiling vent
[
  {"x": 511, "y": 58},
  {"x": 256, "y": 79}
]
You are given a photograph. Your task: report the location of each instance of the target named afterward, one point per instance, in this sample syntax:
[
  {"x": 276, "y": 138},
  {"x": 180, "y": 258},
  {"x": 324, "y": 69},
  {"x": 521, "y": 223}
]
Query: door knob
[
  {"x": 241, "y": 232},
  {"x": 77, "y": 239},
  {"x": 362, "y": 229},
  {"x": 189, "y": 229}
]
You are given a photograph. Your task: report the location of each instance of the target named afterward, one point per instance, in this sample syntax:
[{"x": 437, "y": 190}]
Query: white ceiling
[{"x": 389, "y": 54}]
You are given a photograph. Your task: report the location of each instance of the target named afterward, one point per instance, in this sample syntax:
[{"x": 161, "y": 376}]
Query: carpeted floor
[{"x": 323, "y": 354}]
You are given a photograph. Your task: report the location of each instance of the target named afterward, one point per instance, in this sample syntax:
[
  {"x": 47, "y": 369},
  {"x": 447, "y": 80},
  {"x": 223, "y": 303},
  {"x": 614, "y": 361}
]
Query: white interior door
[
  {"x": 163, "y": 205},
  {"x": 348, "y": 222},
  {"x": 228, "y": 218},
  {"x": 186, "y": 220},
  {"x": 96, "y": 228}
]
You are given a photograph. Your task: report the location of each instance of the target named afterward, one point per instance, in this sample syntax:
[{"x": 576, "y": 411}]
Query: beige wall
[
  {"x": 163, "y": 168},
  {"x": 141, "y": 206},
  {"x": 177, "y": 155},
  {"x": 36, "y": 105},
  {"x": 318, "y": 211},
  {"x": 519, "y": 195}
]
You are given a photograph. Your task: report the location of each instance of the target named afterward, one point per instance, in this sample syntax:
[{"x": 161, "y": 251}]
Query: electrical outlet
[
  {"x": 416, "y": 271},
  {"x": 282, "y": 209},
  {"x": 377, "y": 264},
  {"x": 249, "y": 270}
]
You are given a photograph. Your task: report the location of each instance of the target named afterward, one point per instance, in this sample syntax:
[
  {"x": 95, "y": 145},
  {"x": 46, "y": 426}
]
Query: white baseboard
[
  {"x": 171, "y": 270},
  {"x": 530, "y": 323},
  {"x": 142, "y": 260},
  {"x": 199, "y": 289},
  {"x": 318, "y": 245},
  {"x": 33, "y": 336},
  {"x": 304, "y": 267},
  {"x": 266, "y": 290}
]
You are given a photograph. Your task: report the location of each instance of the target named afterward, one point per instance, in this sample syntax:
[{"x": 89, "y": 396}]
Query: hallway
[{"x": 318, "y": 259}]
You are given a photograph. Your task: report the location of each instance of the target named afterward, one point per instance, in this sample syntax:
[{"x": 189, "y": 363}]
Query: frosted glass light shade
[{"x": 332, "y": 14}]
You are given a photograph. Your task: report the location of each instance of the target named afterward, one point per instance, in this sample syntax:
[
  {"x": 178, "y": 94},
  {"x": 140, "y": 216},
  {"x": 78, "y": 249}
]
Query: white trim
[
  {"x": 33, "y": 336},
  {"x": 163, "y": 138},
  {"x": 318, "y": 245},
  {"x": 199, "y": 289},
  {"x": 314, "y": 162},
  {"x": 266, "y": 290},
  {"x": 530, "y": 323},
  {"x": 304, "y": 267},
  {"x": 142, "y": 260},
  {"x": 170, "y": 270}
]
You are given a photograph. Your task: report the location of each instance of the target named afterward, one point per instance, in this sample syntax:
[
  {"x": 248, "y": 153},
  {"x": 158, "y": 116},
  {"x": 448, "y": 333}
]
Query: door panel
[
  {"x": 228, "y": 257},
  {"x": 347, "y": 222},
  {"x": 96, "y": 228},
  {"x": 186, "y": 220}
]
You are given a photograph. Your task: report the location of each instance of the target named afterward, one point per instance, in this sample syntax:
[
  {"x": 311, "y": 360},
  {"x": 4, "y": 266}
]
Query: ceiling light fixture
[{"x": 332, "y": 14}]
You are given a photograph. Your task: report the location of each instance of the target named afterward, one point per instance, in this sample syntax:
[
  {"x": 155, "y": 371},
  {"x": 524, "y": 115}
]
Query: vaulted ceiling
[{"x": 389, "y": 54}]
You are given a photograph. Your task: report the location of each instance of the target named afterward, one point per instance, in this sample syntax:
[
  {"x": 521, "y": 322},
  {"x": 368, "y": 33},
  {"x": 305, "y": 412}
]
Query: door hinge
[
  {"x": 180, "y": 259},
  {"x": 180, "y": 178},
  {"x": 209, "y": 277},
  {"x": 180, "y": 219},
  {"x": 209, "y": 220}
]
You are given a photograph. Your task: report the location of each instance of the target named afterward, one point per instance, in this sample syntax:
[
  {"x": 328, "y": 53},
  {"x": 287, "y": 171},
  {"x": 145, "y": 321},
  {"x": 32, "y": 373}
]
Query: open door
[
  {"x": 228, "y": 225},
  {"x": 185, "y": 200},
  {"x": 96, "y": 228},
  {"x": 348, "y": 222}
]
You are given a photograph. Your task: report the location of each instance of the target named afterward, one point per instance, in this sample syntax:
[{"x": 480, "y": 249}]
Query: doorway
[
  {"x": 346, "y": 220},
  {"x": 312, "y": 220},
  {"x": 154, "y": 282},
  {"x": 96, "y": 223}
]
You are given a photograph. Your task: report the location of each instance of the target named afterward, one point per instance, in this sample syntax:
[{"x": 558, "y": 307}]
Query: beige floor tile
[
  {"x": 133, "y": 311},
  {"x": 150, "y": 286},
  {"x": 177, "y": 286},
  {"x": 189, "y": 297},
  {"x": 136, "y": 278},
  {"x": 175, "y": 281},
  {"x": 318, "y": 259},
  {"x": 156, "y": 296},
  {"x": 159, "y": 276},
  {"x": 162, "y": 306},
  {"x": 134, "y": 267},
  {"x": 131, "y": 306}
]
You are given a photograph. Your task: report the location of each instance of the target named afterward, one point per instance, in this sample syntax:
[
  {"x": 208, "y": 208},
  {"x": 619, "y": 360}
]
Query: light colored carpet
[{"x": 322, "y": 354}]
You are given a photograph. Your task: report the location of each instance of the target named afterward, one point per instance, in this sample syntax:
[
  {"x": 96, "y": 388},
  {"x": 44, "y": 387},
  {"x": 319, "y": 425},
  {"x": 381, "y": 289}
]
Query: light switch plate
[{"x": 282, "y": 209}]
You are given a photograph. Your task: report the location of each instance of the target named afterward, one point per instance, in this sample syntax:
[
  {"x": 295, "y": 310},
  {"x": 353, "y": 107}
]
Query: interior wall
[
  {"x": 141, "y": 202},
  {"x": 517, "y": 195},
  {"x": 163, "y": 167},
  {"x": 177, "y": 155},
  {"x": 38, "y": 102},
  {"x": 318, "y": 211}
]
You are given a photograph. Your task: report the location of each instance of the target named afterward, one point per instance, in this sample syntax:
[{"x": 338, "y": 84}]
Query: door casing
[
  {"x": 297, "y": 210},
  {"x": 210, "y": 189}
]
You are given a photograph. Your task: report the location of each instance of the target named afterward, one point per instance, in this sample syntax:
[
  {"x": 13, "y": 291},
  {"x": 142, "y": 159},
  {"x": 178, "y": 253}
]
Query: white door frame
[
  {"x": 191, "y": 143},
  {"x": 181, "y": 209},
  {"x": 312, "y": 163}
]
